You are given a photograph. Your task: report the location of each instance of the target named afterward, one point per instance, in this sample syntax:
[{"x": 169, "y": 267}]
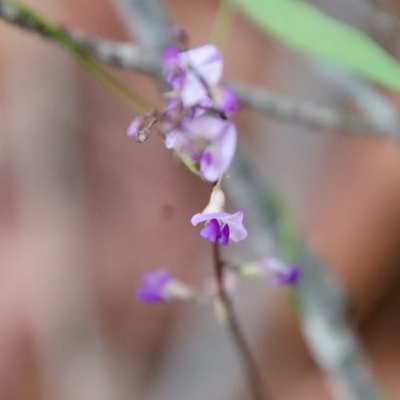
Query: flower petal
[
  {"x": 287, "y": 276},
  {"x": 149, "y": 296},
  {"x": 225, "y": 99},
  {"x": 222, "y": 136},
  {"x": 206, "y": 61},
  {"x": 154, "y": 286},
  {"x": 135, "y": 126},
  {"x": 237, "y": 231},
  {"x": 192, "y": 90},
  {"x": 171, "y": 58},
  {"x": 201, "y": 217},
  {"x": 211, "y": 231},
  {"x": 224, "y": 239}
]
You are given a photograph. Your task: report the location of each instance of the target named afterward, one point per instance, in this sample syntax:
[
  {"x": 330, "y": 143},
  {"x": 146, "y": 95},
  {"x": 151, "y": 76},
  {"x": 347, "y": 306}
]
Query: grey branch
[
  {"x": 148, "y": 22},
  {"x": 124, "y": 55},
  {"x": 312, "y": 115},
  {"x": 129, "y": 56}
]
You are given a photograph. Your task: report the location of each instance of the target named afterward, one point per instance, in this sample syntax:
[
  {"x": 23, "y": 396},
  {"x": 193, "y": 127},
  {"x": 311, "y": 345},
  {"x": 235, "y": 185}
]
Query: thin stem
[
  {"x": 223, "y": 23},
  {"x": 76, "y": 45},
  {"x": 129, "y": 97},
  {"x": 251, "y": 369}
]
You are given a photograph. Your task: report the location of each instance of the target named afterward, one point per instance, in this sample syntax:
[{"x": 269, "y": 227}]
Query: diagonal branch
[{"x": 124, "y": 55}]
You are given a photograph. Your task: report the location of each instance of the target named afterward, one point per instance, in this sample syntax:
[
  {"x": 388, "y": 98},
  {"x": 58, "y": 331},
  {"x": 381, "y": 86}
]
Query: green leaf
[{"x": 307, "y": 29}]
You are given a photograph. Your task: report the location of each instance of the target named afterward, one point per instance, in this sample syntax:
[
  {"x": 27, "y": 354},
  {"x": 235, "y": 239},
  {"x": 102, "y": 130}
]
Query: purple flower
[
  {"x": 206, "y": 144},
  {"x": 225, "y": 99},
  {"x": 284, "y": 274},
  {"x": 221, "y": 226},
  {"x": 192, "y": 71},
  {"x": 160, "y": 286},
  {"x": 154, "y": 288}
]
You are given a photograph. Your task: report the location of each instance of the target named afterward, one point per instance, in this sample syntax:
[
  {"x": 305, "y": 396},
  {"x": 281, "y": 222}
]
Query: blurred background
[{"x": 85, "y": 212}]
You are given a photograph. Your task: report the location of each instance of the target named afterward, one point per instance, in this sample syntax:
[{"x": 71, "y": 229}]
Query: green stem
[
  {"x": 129, "y": 97},
  {"x": 223, "y": 23},
  {"x": 59, "y": 35}
]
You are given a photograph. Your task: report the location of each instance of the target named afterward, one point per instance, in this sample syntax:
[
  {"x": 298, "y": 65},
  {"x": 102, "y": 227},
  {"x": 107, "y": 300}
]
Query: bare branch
[
  {"x": 124, "y": 55},
  {"x": 148, "y": 22},
  {"x": 313, "y": 116}
]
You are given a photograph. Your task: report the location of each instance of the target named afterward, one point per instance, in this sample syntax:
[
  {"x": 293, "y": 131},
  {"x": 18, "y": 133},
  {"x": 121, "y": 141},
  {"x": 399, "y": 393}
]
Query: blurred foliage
[{"x": 307, "y": 29}]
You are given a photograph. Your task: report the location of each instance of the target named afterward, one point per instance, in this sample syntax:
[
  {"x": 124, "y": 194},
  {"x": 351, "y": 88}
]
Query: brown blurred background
[{"x": 85, "y": 212}]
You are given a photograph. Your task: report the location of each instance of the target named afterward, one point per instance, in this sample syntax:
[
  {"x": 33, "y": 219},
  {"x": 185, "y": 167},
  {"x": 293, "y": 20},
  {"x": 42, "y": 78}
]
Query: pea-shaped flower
[
  {"x": 221, "y": 226},
  {"x": 206, "y": 144},
  {"x": 161, "y": 286},
  {"x": 192, "y": 71}
]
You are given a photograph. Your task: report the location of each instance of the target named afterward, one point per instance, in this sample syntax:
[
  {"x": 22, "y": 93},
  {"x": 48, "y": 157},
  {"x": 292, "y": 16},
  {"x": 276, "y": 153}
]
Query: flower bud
[
  {"x": 177, "y": 291},
  {"x": 135, "y": 126},
  {"x": 252, "y": 270},
  {"x": 217, "y": 201}
]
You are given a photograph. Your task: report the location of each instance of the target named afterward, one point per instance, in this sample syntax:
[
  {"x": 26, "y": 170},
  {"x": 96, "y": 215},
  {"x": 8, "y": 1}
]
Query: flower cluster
[
  {"x": 195, "y": 124},
  {"x": 197, "y": 127}
]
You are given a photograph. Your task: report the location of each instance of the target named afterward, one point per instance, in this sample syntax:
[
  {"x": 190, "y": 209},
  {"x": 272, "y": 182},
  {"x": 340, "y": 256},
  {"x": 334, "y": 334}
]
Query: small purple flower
[
  {"x": 154, "y": 287},
  {"x": 160, "y": 286},
  {"x": 190, "y": 72},
  {"x": 225, "y": 99},
  {"x": 206, "y": 144},
  {"x": 284, "y": 274},
  {"x": 221, "y": 226},
  {"x": 138, "y": 130},
  {"x": 135, "y": 126},
  {"x": 171, "y": 58},
  {"x": 174, "y": 70}
]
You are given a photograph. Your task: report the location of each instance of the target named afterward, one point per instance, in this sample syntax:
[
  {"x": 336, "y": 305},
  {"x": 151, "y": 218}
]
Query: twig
[
  {"x": 148, "y": 22},
  {"x": 252, "y": 372},
  {"x": 124, "y": 55},
  {"x": 313, "y": 116}
]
